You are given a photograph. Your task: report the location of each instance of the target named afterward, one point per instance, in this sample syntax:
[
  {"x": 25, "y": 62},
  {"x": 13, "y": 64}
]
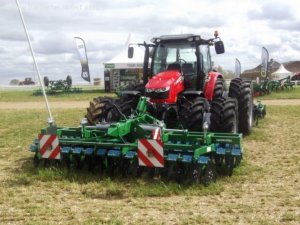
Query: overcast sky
[{"x": 244, "y": 26}]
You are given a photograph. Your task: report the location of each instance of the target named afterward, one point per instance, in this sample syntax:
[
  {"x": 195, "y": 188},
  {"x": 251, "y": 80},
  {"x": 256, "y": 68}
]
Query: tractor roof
[{"x": 176, "y": 38}]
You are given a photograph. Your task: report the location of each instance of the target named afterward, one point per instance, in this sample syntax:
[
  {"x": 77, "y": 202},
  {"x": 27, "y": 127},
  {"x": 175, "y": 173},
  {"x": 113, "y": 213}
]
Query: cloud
[
  {"x": 244, "y": 27},
  {"x": 272, "y": 11}
]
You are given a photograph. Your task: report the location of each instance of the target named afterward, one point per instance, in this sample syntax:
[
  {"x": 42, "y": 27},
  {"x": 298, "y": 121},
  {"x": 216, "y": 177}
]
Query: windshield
[{"x": 182, "y": 54}]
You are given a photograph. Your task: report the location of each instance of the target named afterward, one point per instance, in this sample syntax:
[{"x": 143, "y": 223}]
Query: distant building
[{"x": 252, "y": 74}]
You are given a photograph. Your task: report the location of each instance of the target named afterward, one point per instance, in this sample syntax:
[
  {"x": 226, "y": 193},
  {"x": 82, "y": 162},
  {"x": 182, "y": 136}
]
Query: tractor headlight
[
  {"x": 157, "y": 90},
  {"x": 148, "y": 90},
  {"x": 164, "y": 89}
]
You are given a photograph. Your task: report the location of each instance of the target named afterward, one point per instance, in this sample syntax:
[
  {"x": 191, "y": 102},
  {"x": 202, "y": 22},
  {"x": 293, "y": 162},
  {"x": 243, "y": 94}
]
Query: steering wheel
[{"x": 178, "y": 61}]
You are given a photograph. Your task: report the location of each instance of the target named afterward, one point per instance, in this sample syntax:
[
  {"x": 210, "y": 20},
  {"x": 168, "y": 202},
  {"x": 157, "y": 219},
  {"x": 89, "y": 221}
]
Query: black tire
[
  {"x": 69, "y": 81},
  {"x": 210, "y": 174},
  {"x": 169, "y": 116},
  {"x": 219, "y": 88},
  {"x": 243, "y": 92},
  {"x": 245, "y": 109},
  {"x": 191, "y": 113},
  {"x": 36, "y": 160},
  {"x": 235, "y": 87},
  {"x": 133, "y": 98},
  {"x": 229, "y": 165},
  {"x": 229, "y": 116},
  {"x": 46, "y": 81},
  {"x": 224, "y": 115},
  {"x": 98, "y": 110},
  {"x": 121, "y": 109},
  {"x": 194, "y": 173},
  {"x": 136, "y": 87},
  {"x": 215, "y": 117}
]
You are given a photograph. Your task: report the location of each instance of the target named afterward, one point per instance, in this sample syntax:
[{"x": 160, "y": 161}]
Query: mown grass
[
  {"x": 18, "y": 131},
  {"x": 18, "y": 172},
  {"x": 30, "y": 195}
]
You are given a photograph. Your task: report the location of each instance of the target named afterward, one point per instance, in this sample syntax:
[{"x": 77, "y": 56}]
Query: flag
[
  {"x": 264, "y": 62},
  {"x": 85, "y": 73},
  {"x": 237, "y": 68}
]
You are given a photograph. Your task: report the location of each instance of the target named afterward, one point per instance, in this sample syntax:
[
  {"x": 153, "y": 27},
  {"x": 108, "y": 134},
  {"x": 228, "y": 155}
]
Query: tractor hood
[
  {"x": 165, "y": 87},
  {"x": 163, "y": 79}
]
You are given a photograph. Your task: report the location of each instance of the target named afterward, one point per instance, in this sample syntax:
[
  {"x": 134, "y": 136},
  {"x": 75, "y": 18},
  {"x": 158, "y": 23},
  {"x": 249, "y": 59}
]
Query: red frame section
[{"x": 210, "y": 84}]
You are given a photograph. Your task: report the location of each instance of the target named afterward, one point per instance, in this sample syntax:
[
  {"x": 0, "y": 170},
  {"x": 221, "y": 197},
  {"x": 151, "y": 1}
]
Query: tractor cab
[
  {"x": 178, "y": 63},
  {"x": 184, "y": 57}
]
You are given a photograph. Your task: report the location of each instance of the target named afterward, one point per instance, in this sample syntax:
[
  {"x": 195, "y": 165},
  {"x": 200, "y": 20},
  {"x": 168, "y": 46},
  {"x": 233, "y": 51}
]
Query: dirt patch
[{"x": 282, "y": 102}]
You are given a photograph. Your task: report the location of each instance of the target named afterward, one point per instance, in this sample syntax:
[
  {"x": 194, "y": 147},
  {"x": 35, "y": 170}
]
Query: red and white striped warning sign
[
  {"x": 49, "y": 146},
  {"x": 156, "y": 134},
  {"x": 150, "y": 153}
]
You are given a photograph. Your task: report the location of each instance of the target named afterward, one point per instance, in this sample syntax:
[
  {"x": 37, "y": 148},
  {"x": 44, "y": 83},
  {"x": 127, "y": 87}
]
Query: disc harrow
[{"x": 140, "y": 145}]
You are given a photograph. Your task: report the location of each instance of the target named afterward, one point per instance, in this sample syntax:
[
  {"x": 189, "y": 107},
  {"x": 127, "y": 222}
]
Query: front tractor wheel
[
  {"x": 191, "y": 113},
  {"x": 224, "y": 115},
  {"x": 219, "y": 88}
]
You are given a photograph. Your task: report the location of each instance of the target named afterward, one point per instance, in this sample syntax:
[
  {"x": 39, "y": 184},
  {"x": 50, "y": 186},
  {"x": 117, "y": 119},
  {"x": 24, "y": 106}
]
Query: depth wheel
[
  {"x": 195, "y": 173},
  {"x": 210, "y": 174},
  {"x": 36, "y": 160},
  {"x": 229, "y": 165}
]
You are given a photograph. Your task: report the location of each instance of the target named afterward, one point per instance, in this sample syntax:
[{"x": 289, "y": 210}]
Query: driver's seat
[{"x": 174, "y": 66}]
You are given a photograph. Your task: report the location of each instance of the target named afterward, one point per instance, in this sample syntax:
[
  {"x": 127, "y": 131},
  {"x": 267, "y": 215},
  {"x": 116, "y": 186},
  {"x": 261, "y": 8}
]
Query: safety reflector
[
  {"x": 49, "y": 146},
  {"x": 156, "y": 134},
  {"x": 150, "y": 153}
]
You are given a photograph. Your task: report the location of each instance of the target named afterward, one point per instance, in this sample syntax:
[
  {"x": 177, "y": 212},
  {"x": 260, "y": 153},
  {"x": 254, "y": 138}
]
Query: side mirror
[
  {"x": 130, "y": 52},
  {"x": 219, "y": 47}
]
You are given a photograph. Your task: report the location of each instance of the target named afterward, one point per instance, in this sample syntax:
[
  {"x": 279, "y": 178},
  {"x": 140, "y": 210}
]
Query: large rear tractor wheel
[
  {"x": 107, "y": 109},
  {"x": 98, "y": 110},
  {"x": 242, "y": 91},
  {"x": 121, "y": 109}
]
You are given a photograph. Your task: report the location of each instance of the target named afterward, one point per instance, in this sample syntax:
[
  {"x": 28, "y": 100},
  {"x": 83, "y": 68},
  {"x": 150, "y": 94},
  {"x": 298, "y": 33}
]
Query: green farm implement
[
  {"x": 58, "y": 86},
  {"x": 140, "y": 144},
  {"x": 268, "y": 86},
  {"x": 259, "y": 112}
]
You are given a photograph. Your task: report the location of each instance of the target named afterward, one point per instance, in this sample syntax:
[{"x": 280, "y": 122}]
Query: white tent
[
  {"x": 121, "y": 70},
  {"x": 281, "y": 73},
  {"x": 121, "y": 60}
]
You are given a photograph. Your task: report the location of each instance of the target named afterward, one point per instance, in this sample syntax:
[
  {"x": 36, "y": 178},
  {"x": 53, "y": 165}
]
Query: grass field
[
  {"x": 27, "y": 95},
  {"x": 263, "y": 190}
]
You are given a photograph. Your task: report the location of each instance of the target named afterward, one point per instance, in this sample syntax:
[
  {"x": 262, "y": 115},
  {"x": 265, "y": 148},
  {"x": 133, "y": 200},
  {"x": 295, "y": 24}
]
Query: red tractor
[{"x": 183, "y": 89}]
